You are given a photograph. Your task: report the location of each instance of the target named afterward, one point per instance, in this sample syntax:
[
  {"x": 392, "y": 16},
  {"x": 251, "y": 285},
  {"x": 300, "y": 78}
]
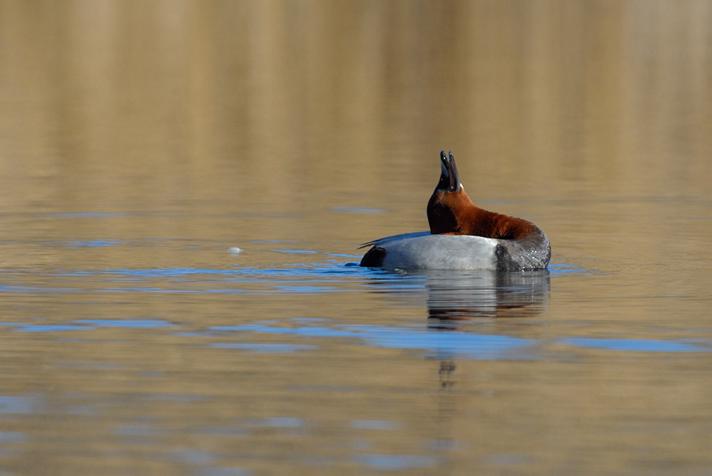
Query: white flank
[{"x": 439, "y": 252}]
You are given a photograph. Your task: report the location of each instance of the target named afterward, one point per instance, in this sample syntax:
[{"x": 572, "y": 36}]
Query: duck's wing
[{"x": 392, "y": 238}]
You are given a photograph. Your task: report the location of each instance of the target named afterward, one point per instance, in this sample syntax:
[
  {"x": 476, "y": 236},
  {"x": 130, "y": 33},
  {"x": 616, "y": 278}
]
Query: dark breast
[{"x": 441, "y": 218}]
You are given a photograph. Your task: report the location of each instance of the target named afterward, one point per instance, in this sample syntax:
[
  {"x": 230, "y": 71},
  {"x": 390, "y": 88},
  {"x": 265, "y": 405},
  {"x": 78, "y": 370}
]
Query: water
[{"x": 184, "y": 185}]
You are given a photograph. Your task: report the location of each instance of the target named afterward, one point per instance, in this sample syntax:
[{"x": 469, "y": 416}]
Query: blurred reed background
[{"x": 164, "y": 101}]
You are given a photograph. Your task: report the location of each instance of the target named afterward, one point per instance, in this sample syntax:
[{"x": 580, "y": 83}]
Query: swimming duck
[{"x": 462, "y": 235}]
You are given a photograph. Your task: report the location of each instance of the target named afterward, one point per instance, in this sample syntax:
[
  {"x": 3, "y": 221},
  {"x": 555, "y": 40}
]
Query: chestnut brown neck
[
  {"x": 448, "y": 211},
  {"x": 455, "y": 213}
]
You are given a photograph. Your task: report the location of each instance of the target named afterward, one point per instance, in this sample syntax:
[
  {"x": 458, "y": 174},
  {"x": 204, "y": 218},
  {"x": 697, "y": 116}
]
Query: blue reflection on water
[
  {"x": 452, "y": 342},
  {"x": 51, "y": 328},
  {"x": 92, "y": 243},
  {"x": 558, "y": 269},
  {"x": 156, "y": 290},
  {"x": 313, "y": 278},
  {"x": 314, "y": 270},
  {"x": 373, "y": 425},
  {"x": 126, "y": 323},
  {"x": 278, "y": 422},
  {"x": 12, "y": 437},
  {"x": 301, "y": 278},
  {"x": 636, "y": 345},
  {"x": 395, "y": 462},
  {"x": 298, "y": 331},
  {"x": 165, "y": 272},
  {"x": 20, "y": 404},
  {"x": 477, "y": 346},
  {"x": 35, "y": 290},
  {"x": 305, "y": 289}
]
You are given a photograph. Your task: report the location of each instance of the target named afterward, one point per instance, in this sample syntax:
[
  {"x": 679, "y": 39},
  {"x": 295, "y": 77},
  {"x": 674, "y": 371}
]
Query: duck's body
[
  {"x": 425, "y": 250},
  {"x": 462, "y": 236}
]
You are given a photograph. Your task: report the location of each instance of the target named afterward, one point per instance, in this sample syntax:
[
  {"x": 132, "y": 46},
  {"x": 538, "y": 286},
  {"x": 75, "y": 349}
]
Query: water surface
[{"x": 184, "y": 185}]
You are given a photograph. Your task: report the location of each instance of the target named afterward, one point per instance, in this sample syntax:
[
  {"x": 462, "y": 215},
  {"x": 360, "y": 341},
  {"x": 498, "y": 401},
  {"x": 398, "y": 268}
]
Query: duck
[{"x": 462, "y": 236}]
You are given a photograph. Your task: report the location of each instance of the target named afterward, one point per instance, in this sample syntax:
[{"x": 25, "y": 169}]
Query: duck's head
[
  {"x": 449, "y": 178},
  {"x": 449, "y": 202}
]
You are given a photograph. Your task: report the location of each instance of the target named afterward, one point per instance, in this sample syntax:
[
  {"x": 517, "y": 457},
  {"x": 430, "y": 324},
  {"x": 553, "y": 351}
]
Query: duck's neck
[
  {"x": 455, "y": 213},
  {"x": 449, "y": 212}
]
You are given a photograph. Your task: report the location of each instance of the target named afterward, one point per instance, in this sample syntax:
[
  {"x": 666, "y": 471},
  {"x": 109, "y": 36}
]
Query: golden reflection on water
[{"x": 156, "y": 135}]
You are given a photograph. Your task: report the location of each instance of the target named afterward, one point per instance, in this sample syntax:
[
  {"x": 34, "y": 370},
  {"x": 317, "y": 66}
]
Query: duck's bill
[{"x": 449, "y": 178}]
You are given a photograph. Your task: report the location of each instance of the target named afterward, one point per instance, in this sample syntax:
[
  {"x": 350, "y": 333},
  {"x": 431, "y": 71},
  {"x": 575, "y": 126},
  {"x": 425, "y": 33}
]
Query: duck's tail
[{"x": 531, "y": 252}]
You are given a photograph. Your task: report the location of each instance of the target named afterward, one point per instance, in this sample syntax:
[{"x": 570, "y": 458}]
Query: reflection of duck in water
[
  {"x": 452, "y": 297},
  {"x": 462, "y": 235},
  {"x": 484, "y": 294}
]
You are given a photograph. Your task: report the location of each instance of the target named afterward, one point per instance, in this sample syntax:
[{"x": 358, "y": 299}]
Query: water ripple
[{"x": 464, "y": 344}]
